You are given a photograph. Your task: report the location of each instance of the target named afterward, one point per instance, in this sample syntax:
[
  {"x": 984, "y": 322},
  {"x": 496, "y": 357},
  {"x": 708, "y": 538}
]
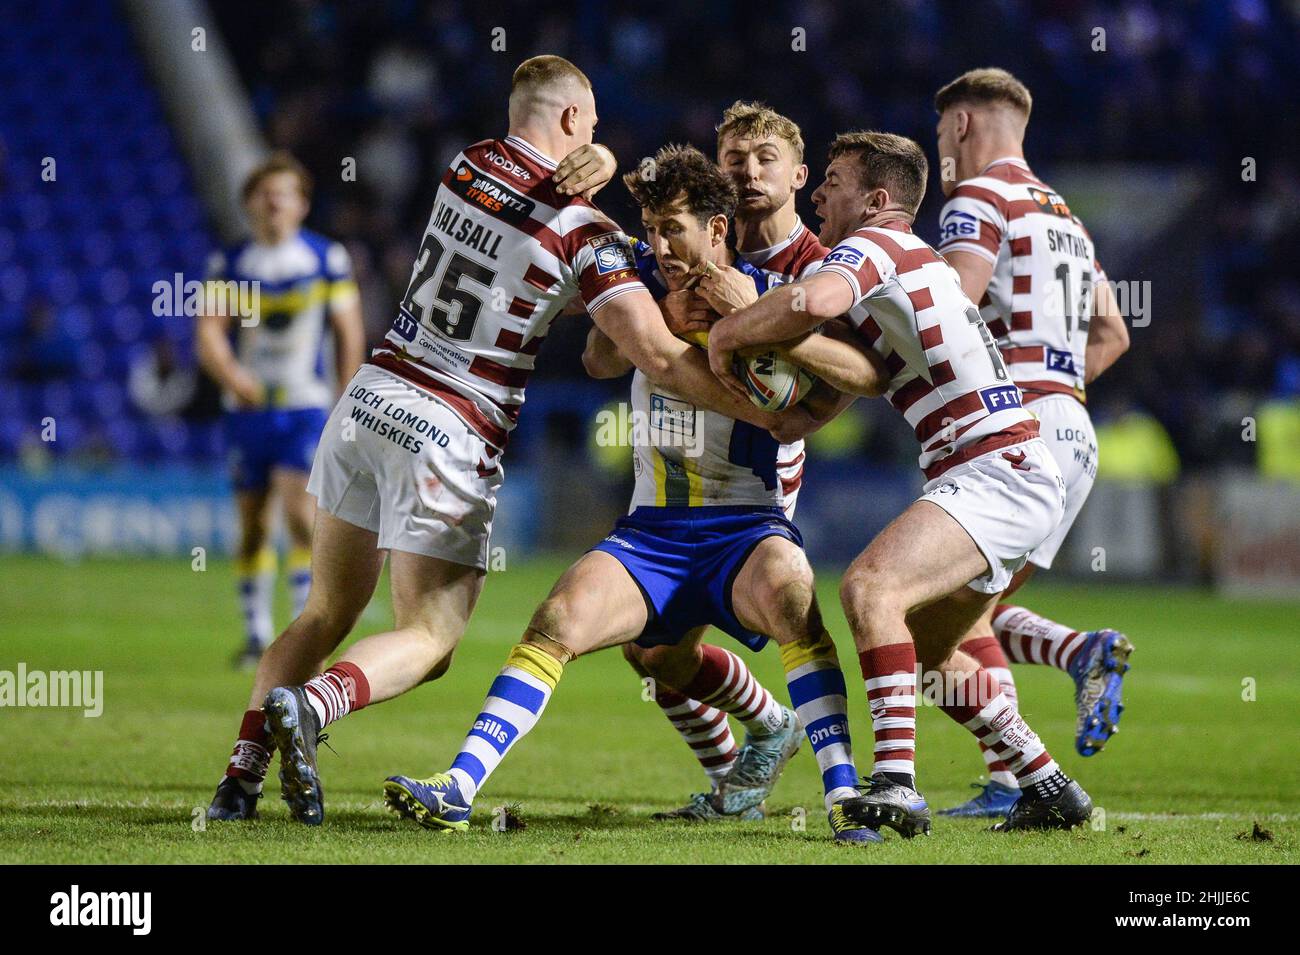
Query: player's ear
[
  {"x": 569, "y": 119},
  {"x": 800, "y": 176},
  {"x": 962, "y": 126},
  {"x": 718, "y": 229}
]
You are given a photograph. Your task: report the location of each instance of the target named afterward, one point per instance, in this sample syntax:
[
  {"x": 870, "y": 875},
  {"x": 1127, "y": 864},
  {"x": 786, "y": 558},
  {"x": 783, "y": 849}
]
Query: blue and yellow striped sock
[
  {"x": 819, "y": 695},
  {"x": 256, "y": 592},
  {"x": 299, "y": 570},
  {"x": 512, "y": 708}
]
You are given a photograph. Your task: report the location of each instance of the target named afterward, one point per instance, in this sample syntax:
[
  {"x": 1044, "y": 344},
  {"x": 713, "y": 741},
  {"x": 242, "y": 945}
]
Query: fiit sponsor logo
[
  {"x": 77, "y": 908},
  {"x": 83, "y": 689}
]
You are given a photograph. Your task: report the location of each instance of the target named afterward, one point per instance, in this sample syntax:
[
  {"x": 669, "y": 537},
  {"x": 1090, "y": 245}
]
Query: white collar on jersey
[
  {"x": 537, "y": 155},
  {"x": 1014, "y": 160},
  {"x": 760, "y": 256}
]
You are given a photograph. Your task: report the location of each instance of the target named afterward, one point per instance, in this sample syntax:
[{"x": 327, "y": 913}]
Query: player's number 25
[{"x": 453, "y": 310}]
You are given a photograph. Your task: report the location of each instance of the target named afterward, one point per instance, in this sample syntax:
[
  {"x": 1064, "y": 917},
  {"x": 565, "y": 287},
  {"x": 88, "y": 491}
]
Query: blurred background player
[
  {"x": 279, "y": 368},
  {"x": 707, "y": 542},
  {"x": 992, "y": 492},
  {"x": 410, "y": 460},
  {"x": 1031, "y": 265}
]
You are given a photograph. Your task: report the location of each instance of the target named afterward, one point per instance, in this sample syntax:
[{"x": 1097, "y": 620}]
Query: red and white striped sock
[
  {"x": 705, "y": 730},
  {"x": 337, "y": 692},
  {"x": 988, "y": 652},
  {"x": 251, "y": 757},
  {"x": 723, "y": 681},
  {"x": 980, "y": 705},
  {"x": 1028, "y": 638},
  {"x": 890, "y": 675}
]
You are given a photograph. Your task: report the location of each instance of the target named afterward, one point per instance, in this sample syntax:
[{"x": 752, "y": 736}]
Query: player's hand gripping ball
[{"x": 773, "y": 383}]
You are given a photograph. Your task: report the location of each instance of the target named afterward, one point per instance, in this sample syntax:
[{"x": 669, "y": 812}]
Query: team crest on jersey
[
  {"x": 846, "y": 255},
  {"x": 1051, "y": 202},
  {"x": 491, "y": 195},
  {"x": 958, "y": 225},
  {"x": 613, "y": 253}
]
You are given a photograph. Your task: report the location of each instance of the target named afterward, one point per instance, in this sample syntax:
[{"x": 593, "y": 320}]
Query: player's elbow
[
  {"x": 1121, "y": 336},
  {"x": 600, "y": 366},
  {"x": 821, "y": 300}
]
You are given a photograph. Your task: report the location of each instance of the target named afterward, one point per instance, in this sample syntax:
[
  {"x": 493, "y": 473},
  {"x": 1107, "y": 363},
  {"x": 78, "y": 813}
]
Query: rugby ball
[{"x": 773, "y": 383}]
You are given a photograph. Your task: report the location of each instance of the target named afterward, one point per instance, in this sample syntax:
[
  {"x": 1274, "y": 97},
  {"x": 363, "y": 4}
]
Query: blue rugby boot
[
  {"x": 232, "y": 803},
  {"x": 847, "y": 831},
  {"x": 703, "y": 807},
  {"x": 296, "y": 731},
  {"x": 1098, "y": 670},
  {"x": 435, "y": 803},
  {"x": 993, "y": 801},
  {"x": 758, "y": 766},
  {"x": 883, "y": 802}
]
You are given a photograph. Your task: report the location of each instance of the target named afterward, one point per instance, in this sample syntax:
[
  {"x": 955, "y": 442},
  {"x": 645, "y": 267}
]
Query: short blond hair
[
  {"x": 753, "y": 120},
  {"x": 886, "y": 161},
  {"x": 985, "y": 87},
  {"x": 539, "y": 71}
]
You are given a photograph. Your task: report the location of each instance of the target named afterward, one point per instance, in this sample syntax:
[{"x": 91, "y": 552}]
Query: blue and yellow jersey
[
  {"x": 687, "y": 456},
  {"x": 280, "y": 296}
]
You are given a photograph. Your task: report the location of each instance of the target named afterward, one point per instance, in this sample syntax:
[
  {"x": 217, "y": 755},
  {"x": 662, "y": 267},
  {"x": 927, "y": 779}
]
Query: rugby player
[
  {"x": 761, "y": 151},
  {"x": 280, "y": 372},
  {"x": 1031, "y": 265},
  {"x": 410, "y": 459},
  {"x": 707, "y": 541},
  {"x": 993, "y": 491}
]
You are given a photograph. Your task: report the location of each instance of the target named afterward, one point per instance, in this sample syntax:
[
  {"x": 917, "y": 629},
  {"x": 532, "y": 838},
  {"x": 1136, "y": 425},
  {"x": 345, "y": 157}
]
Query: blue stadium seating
[{"x": 120, "y": 215}]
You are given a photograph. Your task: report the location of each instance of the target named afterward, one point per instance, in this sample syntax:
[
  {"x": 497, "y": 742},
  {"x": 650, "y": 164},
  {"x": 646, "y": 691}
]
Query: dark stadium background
[{"x": 1147, "y": 139}]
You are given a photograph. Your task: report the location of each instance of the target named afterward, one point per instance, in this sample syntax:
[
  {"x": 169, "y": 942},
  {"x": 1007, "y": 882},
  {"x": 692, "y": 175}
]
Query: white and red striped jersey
[
  {"x": 502, "y": 255},
  {"x": 1039, "y": 299},
  {"x": 948, "y": 379},
  {"x": 795, "y": 257}
]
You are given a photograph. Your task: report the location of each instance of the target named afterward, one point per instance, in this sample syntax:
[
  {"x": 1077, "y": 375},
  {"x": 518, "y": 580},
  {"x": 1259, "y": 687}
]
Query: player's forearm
[
  {"x": 824, "y": 404},
  {"x": 842, "y": 366},
  {"x": 1107, "y": 334},
  {"x": 686, "y": 373},
  {"x": 601, "y": 357},
  {"x": 349, "y": 343},
  {"x": 214, "y": 354},
  {"x": 773, "y": 318},
  {"x": 673, "y": 364}
]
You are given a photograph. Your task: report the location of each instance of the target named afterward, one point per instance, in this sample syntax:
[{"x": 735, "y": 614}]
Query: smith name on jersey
[
  {"x": 286, "y": 346},
  {"x": 1039, "y": 299},
  {"x": 502, "y": 255}
]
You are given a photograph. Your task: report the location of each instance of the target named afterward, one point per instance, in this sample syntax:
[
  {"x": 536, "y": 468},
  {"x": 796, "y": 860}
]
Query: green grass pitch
[{"x": 1195, "y": 767}]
